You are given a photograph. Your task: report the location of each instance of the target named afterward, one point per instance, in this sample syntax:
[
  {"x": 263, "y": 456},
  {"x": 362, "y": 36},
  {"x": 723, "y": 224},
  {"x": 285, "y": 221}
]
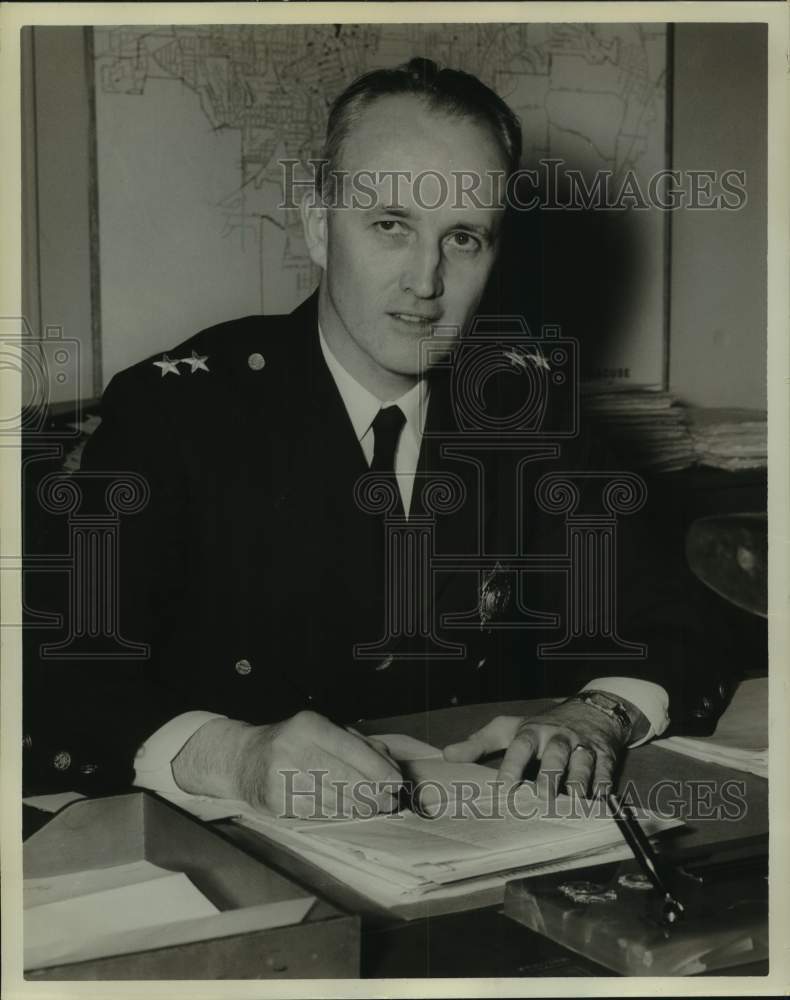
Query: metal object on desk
[
  {"x": 613, "y": 915},
  {"x": 729, "y": 554},
  {"x": 647, "y": 917}
]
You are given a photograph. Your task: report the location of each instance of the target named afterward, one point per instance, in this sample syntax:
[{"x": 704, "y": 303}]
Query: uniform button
[
  {"x": 88, "y": 768},
  {"x": 256, "y": 361},
  {"x": 27, "y": 741},
  {"x": 62, "y": 761},
  {"x": 454, "y": 700},
  {"x": 243, "y": 667},
  {"x": 704, "y": 709}
]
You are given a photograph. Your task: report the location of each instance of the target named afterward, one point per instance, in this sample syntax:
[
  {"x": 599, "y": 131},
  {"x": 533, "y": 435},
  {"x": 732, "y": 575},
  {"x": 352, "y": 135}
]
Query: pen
[{"x": 659, "y": 873}]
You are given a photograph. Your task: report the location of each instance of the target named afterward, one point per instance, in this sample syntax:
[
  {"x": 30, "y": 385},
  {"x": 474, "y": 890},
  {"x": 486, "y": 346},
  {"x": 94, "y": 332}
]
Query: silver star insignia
[
  {"x": 516, "y": 357},
  {"x": 539, "y": 361},
  {"x": 519, "y": 358},
  {"x": 197, "y": 362},
  {"x": 167, "y": 365}
]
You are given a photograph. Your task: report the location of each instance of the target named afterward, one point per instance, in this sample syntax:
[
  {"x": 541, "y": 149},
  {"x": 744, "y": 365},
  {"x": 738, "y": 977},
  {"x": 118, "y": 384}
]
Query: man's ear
[{"x": 314, "y": 222}]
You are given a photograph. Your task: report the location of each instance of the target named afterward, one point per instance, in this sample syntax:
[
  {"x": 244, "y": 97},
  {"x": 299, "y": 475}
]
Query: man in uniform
[{"x": 253, "y": 576}]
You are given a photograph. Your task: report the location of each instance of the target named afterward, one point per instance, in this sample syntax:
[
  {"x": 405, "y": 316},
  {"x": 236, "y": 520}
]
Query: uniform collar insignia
[{"x": 518, "y": 357}]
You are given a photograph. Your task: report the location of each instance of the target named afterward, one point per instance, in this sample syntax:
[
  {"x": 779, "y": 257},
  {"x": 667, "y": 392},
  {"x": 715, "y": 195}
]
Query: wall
[
  {"x": 717, "y": 293},
  {"x": 718, "y": 266},
  {"x": 56, "y": 152}
]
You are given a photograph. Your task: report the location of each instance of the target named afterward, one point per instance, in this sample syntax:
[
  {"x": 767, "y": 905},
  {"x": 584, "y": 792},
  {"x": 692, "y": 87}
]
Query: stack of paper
[
  {"x": 470, "y": 841},
  {"x": 401, "y": 858},
  {"x": 740, "y": 740},
  {"x": 646, "y": 426},
  {"x": 651, "y": 430},
  {"x": 730, "y": 438}
]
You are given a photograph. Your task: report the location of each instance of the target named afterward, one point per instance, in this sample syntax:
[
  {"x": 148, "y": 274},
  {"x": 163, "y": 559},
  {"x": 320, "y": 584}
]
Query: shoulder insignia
[
  {"x": 197, "y": 362},
  {"x": 167, "y": 365}
]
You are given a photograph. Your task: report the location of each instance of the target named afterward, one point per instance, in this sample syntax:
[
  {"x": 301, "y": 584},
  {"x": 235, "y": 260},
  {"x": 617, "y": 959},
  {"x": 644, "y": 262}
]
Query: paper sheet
[
  {"x": 133, "y": 907},
  {"x": 99, "y": 921},
  {"x": 403, "y": 748},
  {"x": 390, "y": 889},
  {"x": 740, "y": 740},
  {"x": 54, "y": 802},
  {"x": 744, "y": 725},
  {"x": 52, "y": 888},
  {"x": 399, "y": 858}
]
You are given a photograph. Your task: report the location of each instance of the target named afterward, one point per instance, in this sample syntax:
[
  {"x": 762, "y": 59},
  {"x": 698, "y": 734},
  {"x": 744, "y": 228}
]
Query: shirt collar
[{"x": 362, "y": 406}]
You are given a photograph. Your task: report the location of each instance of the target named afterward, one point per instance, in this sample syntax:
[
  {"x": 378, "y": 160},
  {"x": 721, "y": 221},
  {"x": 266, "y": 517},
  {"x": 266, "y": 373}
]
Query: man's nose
[{"x": 422, "y": 275}]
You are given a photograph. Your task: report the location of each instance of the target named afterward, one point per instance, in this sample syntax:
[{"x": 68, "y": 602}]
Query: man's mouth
[{"x": 415, "y": 318}]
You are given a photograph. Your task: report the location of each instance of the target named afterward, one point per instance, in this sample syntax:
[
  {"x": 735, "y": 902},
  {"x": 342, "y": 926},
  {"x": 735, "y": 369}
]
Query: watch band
[{"x": 609, "y": 705}]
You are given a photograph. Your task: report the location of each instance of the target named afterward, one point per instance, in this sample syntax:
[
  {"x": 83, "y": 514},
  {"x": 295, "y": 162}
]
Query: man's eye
[
  {"x": 389, "y": 226},
  {"x": 464, "y": 241}
]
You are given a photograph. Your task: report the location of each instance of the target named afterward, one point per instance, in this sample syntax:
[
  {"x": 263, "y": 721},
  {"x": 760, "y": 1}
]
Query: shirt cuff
[
  {"x": 651, "y": 700},
  {"x": 152, "y": 762}
]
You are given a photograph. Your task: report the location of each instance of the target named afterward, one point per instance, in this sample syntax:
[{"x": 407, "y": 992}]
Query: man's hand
[
  {"x": 573, "y": 741},
  {"x": 305, "y": 766}
]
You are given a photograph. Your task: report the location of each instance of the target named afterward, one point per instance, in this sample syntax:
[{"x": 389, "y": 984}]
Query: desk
[{"x": 454, "y": 940}]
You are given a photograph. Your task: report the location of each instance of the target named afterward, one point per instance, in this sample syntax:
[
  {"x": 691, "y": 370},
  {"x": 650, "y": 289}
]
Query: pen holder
[{"x": 613, "y": 915}]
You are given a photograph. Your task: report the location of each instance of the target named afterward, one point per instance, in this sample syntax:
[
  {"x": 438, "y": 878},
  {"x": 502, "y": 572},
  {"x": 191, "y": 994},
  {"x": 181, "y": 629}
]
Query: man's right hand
[{"x": 305, "y": 766}]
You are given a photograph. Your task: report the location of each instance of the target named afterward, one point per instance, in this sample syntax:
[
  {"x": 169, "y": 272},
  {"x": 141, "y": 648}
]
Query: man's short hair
[{"x": 449, "y": 90}]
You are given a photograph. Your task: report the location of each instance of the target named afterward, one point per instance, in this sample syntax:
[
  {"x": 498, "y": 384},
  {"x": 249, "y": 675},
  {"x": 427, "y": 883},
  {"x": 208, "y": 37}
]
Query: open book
[{"x": 465, "y": 835}]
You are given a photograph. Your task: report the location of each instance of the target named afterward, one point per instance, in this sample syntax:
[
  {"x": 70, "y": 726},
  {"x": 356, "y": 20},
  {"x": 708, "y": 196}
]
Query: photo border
[{"x": 12, "y": 17}]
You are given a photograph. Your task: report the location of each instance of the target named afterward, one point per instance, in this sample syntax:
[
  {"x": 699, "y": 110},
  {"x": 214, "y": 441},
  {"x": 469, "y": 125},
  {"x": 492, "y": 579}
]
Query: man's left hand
[{"x": 576, "y": 744}]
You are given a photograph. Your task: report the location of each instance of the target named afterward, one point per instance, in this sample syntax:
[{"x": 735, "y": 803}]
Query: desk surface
[{"x": 473, "y": 938}]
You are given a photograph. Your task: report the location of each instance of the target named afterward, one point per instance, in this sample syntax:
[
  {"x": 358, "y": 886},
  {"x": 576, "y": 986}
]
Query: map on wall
[{"x": 193, "y": 121}]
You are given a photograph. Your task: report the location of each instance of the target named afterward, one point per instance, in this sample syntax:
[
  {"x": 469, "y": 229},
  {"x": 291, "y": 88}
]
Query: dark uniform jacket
[{"x": 245, "y": 571}]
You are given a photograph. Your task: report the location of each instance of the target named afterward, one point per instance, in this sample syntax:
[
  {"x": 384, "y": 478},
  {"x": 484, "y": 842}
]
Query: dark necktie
[{"x": 387, "y": 426}]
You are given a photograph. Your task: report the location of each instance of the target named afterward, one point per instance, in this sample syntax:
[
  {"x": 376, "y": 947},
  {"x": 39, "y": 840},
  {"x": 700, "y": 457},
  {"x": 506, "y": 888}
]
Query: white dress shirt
[
  {"x": 153, "y": 759},
  {"x": 362, "y": 407}
]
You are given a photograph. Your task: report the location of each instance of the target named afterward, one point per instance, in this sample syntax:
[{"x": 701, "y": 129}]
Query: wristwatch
[{"x": 609, "y": 705}]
